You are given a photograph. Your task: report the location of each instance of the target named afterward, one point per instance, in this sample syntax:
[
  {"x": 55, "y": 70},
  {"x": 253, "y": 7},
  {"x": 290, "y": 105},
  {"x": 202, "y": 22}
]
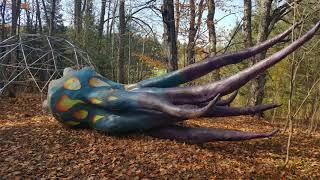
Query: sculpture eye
[
  {"x": 72, "y": 83},
  {"x": 96, "y": 82}
]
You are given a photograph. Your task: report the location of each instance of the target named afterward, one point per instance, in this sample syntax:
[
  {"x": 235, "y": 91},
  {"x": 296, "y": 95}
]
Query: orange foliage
[
  {"x": 25, "y": 6},
  {"x": 150, "y": 61}
]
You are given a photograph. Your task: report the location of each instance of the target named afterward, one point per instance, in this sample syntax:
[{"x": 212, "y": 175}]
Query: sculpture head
[{"x": 84, "y": 98}]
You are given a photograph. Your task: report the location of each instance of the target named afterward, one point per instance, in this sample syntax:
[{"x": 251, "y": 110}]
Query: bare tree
[
  {"x": 3, "y": 14},
  {"x": 267, "y": 21},
  {"x": 247, "y": 8},
  {"x": 192, "y": 33},
  {"x": 77, "y": 17},
  {"x": 170, "y": 38},
  {"x": 121, "y": 53},
  {"x": 38, "y": 17},
  {"x": 212, "y": 34},
  {"x": 52, "y": 17},
  {"x": 177, "y": 12},
  {"x": 15, "y": 7},
  {"x": 193, "y": 29},
  {"x": 102, "y": 14}
]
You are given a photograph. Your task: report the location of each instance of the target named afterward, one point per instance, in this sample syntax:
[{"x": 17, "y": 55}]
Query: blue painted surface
[{"x": 118, "y": 109}]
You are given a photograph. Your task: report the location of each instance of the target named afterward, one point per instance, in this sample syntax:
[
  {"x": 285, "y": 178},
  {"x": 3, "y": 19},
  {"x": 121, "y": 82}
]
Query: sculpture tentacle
[
  {"x": 203, "y": 67},
  {"x": 148, "y": 101},
  {"x": 202, "y": 135},
  {"x": 203, "y": 93},
  {"x": 223, "y": 111},
  {"x": 119, "y": 101},
  {"x": 229, "y": 100}
]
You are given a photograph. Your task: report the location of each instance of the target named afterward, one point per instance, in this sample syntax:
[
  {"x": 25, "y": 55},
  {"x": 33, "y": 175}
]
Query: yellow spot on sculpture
[
  {"x": 81, "y": 114},
  {"x": 129, "y": 87},
  {"x": 65, "y": 103},
  {"x": 72, "y": 83},
  {"x": 95, "y": 101},
  {"x": 96, "y": 82},
  {"x": 112, "y": 98},
  {"x": 97, "y": 118},
  {"x": 71, "y": 123}
]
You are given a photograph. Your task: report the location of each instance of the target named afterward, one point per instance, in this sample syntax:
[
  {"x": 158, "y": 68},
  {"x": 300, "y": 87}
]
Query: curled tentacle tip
[
  {"x": 276, "y": 104},
  {"x": 213, "y": 102},
  {"x": 272, "y": 133}
]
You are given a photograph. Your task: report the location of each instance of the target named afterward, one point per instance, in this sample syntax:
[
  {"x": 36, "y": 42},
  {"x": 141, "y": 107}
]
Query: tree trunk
[
  {"x": 45, "y": 12},
  {"x": 103, "y": 12},
  {"x": 113, "y": 16},
  {"x": 38, "y": 15},
  {"x": 77, "y": 17},
  {"x": 192, "y": 34},
  {"x": 52, "y": 17},
  {"x": 15, "y": 16},
  {"x": 247, "y": 23},
  {"x": 88, "y": 24},
  {"x": 108, "y": 16},
  {"x": 121, "y": 53},
  {"x": 177, "y": 6},
  {"x": 193, "y": 29},
  {"x": 170, "y": 38},
  {"x": 212, "y": 35},
  {"x": 29, "y": 20},
  {"x": 14, "y": 23},
  {"x": 263, "y": 29},
  {"x": 3, "y": 14},
  {"x": 247, "y": 31}
]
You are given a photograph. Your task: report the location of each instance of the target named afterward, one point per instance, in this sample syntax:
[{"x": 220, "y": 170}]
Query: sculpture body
[{"x": 84, "y": 98}]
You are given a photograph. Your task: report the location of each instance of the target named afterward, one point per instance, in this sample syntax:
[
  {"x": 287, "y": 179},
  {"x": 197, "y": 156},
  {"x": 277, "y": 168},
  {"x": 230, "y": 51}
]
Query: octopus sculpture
[{"x": 154, "y": 106}]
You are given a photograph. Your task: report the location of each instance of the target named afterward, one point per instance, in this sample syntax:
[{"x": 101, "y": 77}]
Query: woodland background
[
  {"x": 131, "y": 40},
  {"x": 134, "y": 40}
]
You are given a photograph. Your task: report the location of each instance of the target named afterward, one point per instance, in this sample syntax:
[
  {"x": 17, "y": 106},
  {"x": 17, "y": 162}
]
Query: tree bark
[
  {"x": 52, "y": 17},
  {"x": 38, "y": 15},
  {"x": 192, "y": 34},
  {"x": 170, "y": 38},
  {"x": 3, "y": 13},
  {"x": 263, "y": 32},
  {"x": 247, "y": 31},
  {"x": 15, "y": 7},
  {"x": 212, "y": 35},
  {"x": 121, "y": 53},
  {"x": 102, "y": 14},
  {"x": 45, "y": 12},
  {"x": 77, "y": 17},
  {"x": 177, "y": 6},
  {"x": 15, "y": 16},
  {"x": 247, "y": 23},
  {"x": 113, "y": 16},
  {"x": 193, "y": 29}
]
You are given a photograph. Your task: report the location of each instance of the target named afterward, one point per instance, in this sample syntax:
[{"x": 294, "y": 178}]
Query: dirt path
[{"x": 33, "y": 144}]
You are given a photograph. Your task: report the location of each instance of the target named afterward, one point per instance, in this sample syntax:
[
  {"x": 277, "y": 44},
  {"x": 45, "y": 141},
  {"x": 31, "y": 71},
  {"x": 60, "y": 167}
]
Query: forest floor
[{"x": 33, "y": 144}]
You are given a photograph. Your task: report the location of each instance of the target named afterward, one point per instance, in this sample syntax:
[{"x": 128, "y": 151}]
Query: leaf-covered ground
[{"x": 33, "y": 144}]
